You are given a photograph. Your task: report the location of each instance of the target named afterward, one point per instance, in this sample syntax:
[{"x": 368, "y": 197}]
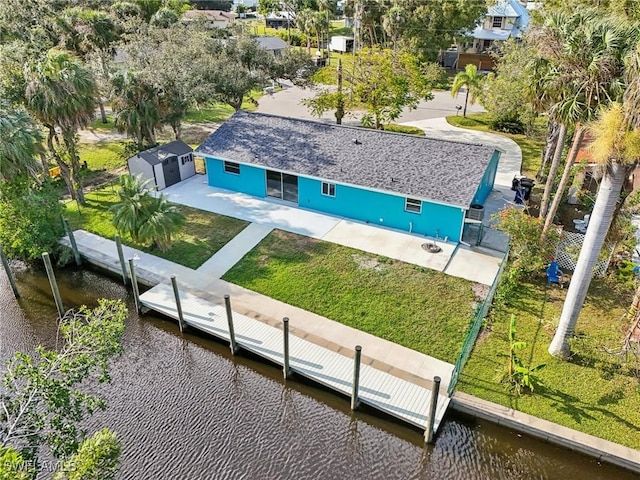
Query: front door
[
  {"x": 171, "y": 171},
  {"x": 282, "y": 185}
]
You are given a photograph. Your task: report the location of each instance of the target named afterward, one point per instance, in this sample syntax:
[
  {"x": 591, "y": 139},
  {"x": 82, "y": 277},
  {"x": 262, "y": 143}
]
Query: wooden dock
[{"x": 392, "y": 395}]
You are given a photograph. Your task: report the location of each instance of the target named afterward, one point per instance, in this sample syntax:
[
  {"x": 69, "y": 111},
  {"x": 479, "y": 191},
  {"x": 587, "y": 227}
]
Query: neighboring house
[
  {"x": 280, "y": 20},
  {"x": 505, "y": 19},
  {"x": 273, "y": 44},
  {"x": 215, "y": 18},
  {"x": 164, "y": 165},
  {"x": 406, "y": 182}
]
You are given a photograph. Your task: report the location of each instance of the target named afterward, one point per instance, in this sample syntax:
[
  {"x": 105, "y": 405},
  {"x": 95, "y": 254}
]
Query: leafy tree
[
  {"x": 294, "y": 65},
  {"x": 13, "y": 466},
  {"x": 147, "y": 219},
  {"x": 42, "y": 396},
  {"x": 616, "y": 144},
  {"x": 472, "y": 81},
  {"x": 242, "y": 66},
  {"x": 148, "y": 8},
  {"x": 505, "y": 94},
  {"x": 224, "y": 5},
  {"x": 29, "y": 218},
  {"x": 96, "y": 459},
  {"x": 265, "y": 7},
  {"x": 386, "y": 83},
  {"x": 20, "y": 143},
  {"x": 60, "y": 94},
  {"x": 164, "y": 18},
  {"x": 327, "y": 100}
]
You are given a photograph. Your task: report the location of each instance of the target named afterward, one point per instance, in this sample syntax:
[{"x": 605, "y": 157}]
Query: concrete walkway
[
  {"x": 232, "y": 252},
  {"x": 382, "y": 354}
]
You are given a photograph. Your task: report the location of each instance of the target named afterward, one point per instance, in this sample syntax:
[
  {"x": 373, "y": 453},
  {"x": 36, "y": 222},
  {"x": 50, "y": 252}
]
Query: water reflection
[{"x": 185, "y": 409}]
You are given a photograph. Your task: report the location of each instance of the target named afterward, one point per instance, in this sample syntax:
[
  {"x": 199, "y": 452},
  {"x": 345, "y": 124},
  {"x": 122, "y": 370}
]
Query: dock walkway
[{"x": 383, "y": 391}]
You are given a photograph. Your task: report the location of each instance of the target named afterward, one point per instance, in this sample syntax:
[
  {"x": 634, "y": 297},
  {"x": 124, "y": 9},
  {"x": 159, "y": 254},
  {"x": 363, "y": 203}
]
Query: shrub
[{"x": 30, "y": 219}]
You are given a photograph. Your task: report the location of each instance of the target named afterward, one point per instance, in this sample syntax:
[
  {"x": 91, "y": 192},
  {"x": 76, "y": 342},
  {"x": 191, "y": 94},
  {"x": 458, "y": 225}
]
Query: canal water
[{"x": 185, "y": 409}]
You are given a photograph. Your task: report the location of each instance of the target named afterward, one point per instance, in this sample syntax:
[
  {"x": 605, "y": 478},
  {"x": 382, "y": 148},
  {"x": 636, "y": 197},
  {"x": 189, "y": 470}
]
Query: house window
[
  {"x": 232, "y": 167},
  {"x": 497, "y": 22},
  {"x": 329, "y": 189},
  {"x": 413, "y": 205}
]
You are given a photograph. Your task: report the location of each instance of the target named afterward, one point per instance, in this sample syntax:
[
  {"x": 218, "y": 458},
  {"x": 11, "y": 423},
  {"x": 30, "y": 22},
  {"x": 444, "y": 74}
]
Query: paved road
[{"x": 287, "y": 103}]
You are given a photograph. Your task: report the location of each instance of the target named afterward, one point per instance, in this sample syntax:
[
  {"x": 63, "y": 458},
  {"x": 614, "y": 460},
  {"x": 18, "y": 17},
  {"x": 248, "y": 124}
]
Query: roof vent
[{"x": 356, "y": 141}]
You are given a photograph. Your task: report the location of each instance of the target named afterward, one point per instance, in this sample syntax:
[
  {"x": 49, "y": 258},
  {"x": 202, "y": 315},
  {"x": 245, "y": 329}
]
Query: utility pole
[{"x": 340, "y": 103}]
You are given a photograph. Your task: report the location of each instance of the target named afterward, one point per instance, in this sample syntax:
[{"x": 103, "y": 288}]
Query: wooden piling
[
  {"x": 7, "y": 269},
  {"x": 53, "y": 283},
  {"x": 174, "y": 284},
  {"x": 134, "y": 285},
  {"x": 429, "y": 433},
  {"x": 72, "y": 240},
  {"x": 123, "y": 266},
  {"x": 356, "y": 377},
  {"x": 286, "y": 370},
  {"x": 232, "y": 335}
]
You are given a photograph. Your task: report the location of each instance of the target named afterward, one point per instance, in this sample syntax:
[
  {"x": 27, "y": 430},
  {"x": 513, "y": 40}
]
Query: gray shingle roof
[
  {"x": 426, "y": 168},
  {"x": 272, "y": 43},
  {"x": 155, "y": 155}
]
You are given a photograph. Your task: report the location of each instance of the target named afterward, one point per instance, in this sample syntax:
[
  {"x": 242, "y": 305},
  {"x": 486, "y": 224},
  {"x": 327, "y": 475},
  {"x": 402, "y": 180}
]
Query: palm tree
[
  {"x": 305, "y": 22},
  {"x": 20, "y": 143},
  {"x": 615, "y": 146},
  {"x": 129, "y": 212},
  {"x": 587, "y": 51},
  {"x": 60, "y": 93},
  {"x": 472, "y": 81},
  {"x": 147, "y": 219},
  {"x": 136, "y": 108},
  {"x": 163, "y": 220}
]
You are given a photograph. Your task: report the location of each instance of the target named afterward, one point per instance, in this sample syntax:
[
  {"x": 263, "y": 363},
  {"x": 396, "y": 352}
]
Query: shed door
[{"x": 171, "y": 171}]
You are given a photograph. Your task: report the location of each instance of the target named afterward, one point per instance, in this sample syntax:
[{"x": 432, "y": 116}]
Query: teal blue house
[{"x": 421, "y": 185}]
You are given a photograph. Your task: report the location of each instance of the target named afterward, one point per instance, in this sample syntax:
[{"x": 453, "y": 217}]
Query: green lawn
[
  {"x": 103, "y": 155},
  {"x": 416, "y": 307},
  {"x": 203, "y": 235},
  {"x": 531, "y": 146},
  {"x": 104, "y": 127},
  {"x": 594, "y": 393}
]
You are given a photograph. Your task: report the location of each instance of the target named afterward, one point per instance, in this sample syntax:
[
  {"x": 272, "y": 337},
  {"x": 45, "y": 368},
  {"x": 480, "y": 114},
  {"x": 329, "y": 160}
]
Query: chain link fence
[{"x": 474, "y": 329}]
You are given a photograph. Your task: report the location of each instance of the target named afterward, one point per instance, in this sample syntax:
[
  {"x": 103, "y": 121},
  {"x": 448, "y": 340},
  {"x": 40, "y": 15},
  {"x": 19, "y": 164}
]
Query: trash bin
[{"x": 527, "y": 184}]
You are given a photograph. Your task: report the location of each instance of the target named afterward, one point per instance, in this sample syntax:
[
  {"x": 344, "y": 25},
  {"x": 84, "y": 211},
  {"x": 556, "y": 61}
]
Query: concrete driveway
[{"x": 288, "y": 103}]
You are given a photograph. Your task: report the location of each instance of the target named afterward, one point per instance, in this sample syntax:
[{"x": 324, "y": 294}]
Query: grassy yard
[
  {"x": 531, "y": 146},
  {"x": 594, "y": 393},
  {"x": 419, "y": 308},
  {"x": 103, "y": 155},
  {"x": 203, "y": 235}
]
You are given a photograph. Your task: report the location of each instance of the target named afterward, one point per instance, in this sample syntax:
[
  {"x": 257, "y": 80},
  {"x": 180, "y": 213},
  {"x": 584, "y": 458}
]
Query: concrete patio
[{"x": 453, "y": 260}]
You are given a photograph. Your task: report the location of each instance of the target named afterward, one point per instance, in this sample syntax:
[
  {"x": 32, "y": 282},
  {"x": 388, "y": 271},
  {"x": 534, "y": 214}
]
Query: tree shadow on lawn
[
  {"x": 579, "y": 411},
  {"x": 562, "y": 402}
]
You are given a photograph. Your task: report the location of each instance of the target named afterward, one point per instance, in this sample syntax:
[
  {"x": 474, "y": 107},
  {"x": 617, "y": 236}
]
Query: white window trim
[
  {"x": 329, "y": 185},
  {"x": 224, "y": 167},
  {"x": 493, "y": 22},
  {"x": 406, "y": 203}
]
